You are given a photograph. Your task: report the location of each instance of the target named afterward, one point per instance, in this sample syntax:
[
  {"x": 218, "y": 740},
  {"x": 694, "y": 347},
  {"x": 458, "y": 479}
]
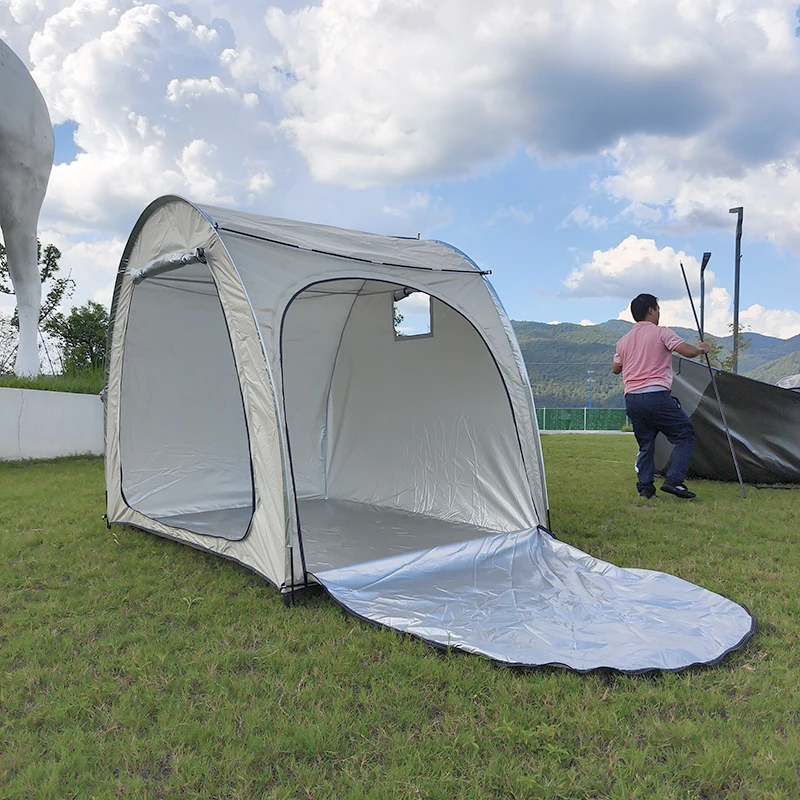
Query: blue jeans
[{"x": 652, "y": 413}]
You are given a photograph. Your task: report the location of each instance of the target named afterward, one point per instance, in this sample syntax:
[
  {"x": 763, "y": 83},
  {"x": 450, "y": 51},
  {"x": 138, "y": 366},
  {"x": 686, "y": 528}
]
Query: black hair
[{"x": 642, "y": 304}]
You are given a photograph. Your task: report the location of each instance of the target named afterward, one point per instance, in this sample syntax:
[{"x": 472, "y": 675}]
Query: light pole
[
  {"x": 739, "y": 210},
  {"x": 589, "y": 381},
  {"x": 706, "y": 257}
]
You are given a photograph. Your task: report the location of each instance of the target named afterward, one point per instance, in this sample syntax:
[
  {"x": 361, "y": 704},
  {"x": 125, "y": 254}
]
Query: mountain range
[{"x": 566, "y": 361}]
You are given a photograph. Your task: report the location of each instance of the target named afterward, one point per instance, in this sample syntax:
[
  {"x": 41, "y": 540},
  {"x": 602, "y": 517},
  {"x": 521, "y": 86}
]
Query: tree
[
  {"x": 722, "y": 358},
  {"x": 55, "y": 290},
  {"x": 81, "y": 336},
  {"x": 398, "y": 321},
  {"x": 8, "y": 345}
]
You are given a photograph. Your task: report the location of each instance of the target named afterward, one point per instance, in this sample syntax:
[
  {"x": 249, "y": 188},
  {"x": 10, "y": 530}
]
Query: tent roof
[{"x": 349, "y": 244}]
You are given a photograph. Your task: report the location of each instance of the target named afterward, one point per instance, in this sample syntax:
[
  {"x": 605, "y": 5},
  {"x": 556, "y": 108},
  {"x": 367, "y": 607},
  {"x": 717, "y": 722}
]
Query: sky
[{"x": 579, "y": 149}]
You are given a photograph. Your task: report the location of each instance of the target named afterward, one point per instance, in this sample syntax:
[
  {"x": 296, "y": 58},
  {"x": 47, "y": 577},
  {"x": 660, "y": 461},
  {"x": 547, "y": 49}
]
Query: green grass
[
  {"x": 134, "y": 667},
  {"x": 87, "y": 382}
]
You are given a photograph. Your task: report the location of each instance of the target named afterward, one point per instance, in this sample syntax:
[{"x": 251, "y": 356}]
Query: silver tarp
[{"x": 527, "y": 599}]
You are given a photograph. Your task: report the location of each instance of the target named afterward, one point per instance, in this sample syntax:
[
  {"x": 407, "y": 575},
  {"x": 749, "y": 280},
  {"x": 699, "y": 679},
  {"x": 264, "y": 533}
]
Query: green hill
[
  {"x": 561, "y": 359},
  {"x": 762, "y": 350},
  {"x": 773, "y": 371}
]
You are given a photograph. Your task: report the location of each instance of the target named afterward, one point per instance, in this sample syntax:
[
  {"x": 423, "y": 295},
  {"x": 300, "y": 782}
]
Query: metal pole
[
  {"x": 716, "y": 390},
  {"x": 589, "y": 381},
  {"x": 739, "y": 210},
  {"x": 706, "y": 257}
]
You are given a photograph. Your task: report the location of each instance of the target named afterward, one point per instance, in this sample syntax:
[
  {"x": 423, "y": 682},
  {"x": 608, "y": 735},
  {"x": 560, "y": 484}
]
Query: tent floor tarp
[
  {"x": 526, "y": 599},
  {"x": 225, "y": 523},
  {"x": 521, "y": 598},
  {"x": 339, "y": 533}
]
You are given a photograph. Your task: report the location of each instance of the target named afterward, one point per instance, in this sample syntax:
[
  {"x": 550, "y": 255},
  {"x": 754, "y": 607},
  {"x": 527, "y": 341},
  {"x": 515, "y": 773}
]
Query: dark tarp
[{"x": 764, "y": 423}]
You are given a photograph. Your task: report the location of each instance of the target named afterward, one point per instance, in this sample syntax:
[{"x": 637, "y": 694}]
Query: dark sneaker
[
  {"x": 679, "y": 490},
  {"x": 648, "y": 492}
]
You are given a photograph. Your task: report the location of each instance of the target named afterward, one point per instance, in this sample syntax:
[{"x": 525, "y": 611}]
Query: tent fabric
[
  {"x": 526, "y": 599},
  {"x": 289, "y": 293},
  {"x": 764, "y": 423},
  {"x": 260, "y": 406},
  {"x": 790, "y": 382}
]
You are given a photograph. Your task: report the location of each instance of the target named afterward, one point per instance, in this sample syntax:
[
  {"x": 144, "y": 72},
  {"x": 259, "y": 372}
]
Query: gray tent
[
  {"x": 262, "y": 406},
  {"x": 763, "y": 420}
]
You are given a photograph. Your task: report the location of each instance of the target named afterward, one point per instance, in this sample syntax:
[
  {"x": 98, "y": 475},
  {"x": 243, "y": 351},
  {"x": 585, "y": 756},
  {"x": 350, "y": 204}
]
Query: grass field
[{"x": 133, "y": 667}]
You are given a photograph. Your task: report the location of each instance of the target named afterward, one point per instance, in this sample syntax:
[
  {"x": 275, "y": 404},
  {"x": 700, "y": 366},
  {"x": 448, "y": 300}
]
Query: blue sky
[{"x": 579, "y": 156}]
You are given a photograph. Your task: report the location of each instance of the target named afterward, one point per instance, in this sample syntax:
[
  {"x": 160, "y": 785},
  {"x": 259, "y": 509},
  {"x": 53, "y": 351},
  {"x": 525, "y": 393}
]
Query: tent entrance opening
[
  {"x": 396, "y": 442},
  {"x": 183, "y": 438}
]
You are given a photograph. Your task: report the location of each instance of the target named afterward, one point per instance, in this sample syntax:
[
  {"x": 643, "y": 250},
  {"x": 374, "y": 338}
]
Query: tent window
[{"x": 411, "y": 314}]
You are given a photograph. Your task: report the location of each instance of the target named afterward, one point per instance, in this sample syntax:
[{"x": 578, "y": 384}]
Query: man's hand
[{"x": 691, "y": 350}]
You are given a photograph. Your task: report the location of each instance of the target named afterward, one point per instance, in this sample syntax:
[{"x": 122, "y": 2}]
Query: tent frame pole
[{"x": 714, "y": 384}]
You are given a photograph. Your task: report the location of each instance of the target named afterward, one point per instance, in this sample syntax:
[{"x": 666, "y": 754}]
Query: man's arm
[
  {"x": 616, "y": 368},
  {"x": 691, "y": 350}
]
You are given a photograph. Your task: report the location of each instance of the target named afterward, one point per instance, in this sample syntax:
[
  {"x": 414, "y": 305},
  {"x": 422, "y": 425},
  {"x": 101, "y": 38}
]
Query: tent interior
[
  {"x": 185, "y": 452},
  {"x": 396, "y": 442}
]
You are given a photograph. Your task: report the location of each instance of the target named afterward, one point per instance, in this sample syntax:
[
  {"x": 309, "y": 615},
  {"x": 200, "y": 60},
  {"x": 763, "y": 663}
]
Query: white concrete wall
[{"x": 37, "y": 424}]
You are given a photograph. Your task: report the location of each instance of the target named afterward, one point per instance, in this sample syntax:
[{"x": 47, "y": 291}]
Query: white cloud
[
  {"x": 697, "y": 104},
  {"x": 435, "y": 86},
  {"x": 416, "y": 201},
  {"x": 639, "y": 265},
  {"x": 678, "y": 312},
  {"x": 586, "y": 323},
  {"x": 162, "y": 103},
  {"x": 634, "y": 266},
  {"x": 92, "y": 265},
  {"x": 771, "y": 322},
  {"x": 641, "y": 212},
  {"x": 416, "y": 213},
  {"x": 718, "y": 316},
  {"x": 694, "y": 107},
  {"x": 652, "y": 174},
  {"x": 582, "y": 217},
  {"x": 513, "y": 213}
]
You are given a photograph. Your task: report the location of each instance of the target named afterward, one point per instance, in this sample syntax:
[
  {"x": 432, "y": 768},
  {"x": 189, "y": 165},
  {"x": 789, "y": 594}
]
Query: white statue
[{"x": 26, "y": 158}]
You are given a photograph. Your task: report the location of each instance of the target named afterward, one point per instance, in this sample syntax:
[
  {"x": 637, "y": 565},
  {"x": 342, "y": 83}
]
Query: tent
[
  {"x": 262, "y": 405},
  {"x": 790, "y": 382},
  {"x": 764, "y": 423}
]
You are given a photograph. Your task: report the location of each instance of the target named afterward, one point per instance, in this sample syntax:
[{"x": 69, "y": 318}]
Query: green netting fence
[{"x": 581, "y": 419}]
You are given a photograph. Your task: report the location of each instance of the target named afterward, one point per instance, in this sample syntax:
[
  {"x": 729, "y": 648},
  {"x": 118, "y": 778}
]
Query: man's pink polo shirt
[{"x": 645, "y": 353}]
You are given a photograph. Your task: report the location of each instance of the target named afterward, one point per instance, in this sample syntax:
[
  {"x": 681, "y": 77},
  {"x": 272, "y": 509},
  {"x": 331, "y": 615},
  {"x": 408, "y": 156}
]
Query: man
[{"x": 644, "y": 357}]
